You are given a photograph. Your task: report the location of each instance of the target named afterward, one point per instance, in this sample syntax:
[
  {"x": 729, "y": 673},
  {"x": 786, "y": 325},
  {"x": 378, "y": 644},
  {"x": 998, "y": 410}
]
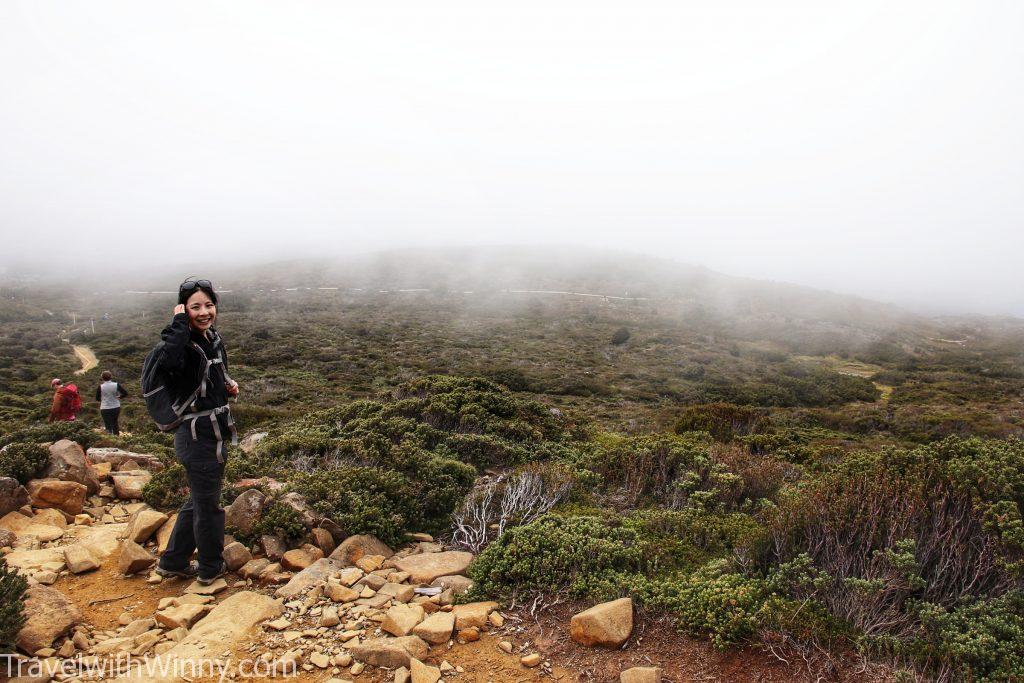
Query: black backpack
[{"x": 166, "y": 410}]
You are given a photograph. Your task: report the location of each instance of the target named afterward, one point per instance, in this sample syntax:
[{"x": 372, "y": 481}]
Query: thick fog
[{"x": 861, "y": 146}]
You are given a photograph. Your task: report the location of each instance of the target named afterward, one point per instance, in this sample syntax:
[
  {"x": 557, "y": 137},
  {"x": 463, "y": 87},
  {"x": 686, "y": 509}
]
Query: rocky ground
[{"x": 335, "y": 608}]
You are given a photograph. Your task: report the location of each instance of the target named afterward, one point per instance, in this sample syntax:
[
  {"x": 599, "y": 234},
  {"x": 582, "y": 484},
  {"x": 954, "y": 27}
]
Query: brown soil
[{"x": 104, "y": 594}]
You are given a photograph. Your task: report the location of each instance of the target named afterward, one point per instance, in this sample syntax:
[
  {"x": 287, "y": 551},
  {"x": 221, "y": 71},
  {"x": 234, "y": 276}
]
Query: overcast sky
[{"x": 863, "y": 146}]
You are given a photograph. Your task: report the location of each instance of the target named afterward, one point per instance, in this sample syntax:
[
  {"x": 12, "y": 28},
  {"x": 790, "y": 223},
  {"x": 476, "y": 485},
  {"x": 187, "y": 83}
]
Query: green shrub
[
  {"x": 713, "y": 600},
  {"x": 665, "y": 469},
  {"x": 895, "y": 543},
  {"x": 281, "y": 520},
  {"x": 981, "y": 641},
  {"x": 23, "y": 461},
  {"x": 684, "y": 539},
  {"x": 167, "y": 489},
  {"x": 723, "y": 421},
  {"x": 553, "y": 553},
  {"x": 725, "y": 605},
  {"x": 362, "y": 500},
  {"x": 12, "y": 606},
  {"x": 48, "y": 432}
]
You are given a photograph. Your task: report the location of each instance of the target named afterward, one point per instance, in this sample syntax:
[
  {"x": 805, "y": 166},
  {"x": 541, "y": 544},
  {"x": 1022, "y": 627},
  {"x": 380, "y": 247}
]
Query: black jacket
[{"x": 184, "y": 364}]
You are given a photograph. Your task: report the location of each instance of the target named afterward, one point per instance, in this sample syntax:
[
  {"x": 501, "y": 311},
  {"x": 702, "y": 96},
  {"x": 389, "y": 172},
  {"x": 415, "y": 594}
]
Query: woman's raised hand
[{"x": 180, "y": 308}]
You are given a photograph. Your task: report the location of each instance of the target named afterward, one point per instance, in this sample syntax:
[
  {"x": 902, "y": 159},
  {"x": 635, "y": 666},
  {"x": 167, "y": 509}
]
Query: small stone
[
  {"x": 319, "y": 660},
  {"x": 437, "y": 628},
  {"x": 339, "y": 593},
  {"x": 422, "y": 673},
  {"x": 506, "y": 646},
  {"x": 253, "y": 568},
  {"x": 45, "y": 577},
  {"x": 469, "y": 635},
  {"x": 369, "y": 563},
  {"x": 67, "y": 649},
  {"x": 401, "y": 619},
  {"x": 343, "y": 659},
  {"x": 183, "y": 616},
  {"x": 329, "y": 617},
  {"x": 641, "y": 674},
  {"x": 236, "y": 556},
  {"x": 144, "y": 524},
  {"x": 531, "y": 660},
  {"x": 473, "y": 614},
  {"x": 402, "y": 675},
  {"x": 357, "y": 668},
  {"x": 496, "y": 620},
  {"x": 80, "y": 559},
  {"x": 273, "y": 547},
  {"x": 400, "y": 592},
  {"x": 197, "y": 588},
  {"x": 296, "y": 560},
  {"x": 138, "y": 627},
  {"x": 278, "y": 624},
  {"x": 134, "y": 558}
]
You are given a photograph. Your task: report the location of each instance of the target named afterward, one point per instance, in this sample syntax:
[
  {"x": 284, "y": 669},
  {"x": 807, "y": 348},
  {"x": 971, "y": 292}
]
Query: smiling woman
[{"x": 192, "y": 352}]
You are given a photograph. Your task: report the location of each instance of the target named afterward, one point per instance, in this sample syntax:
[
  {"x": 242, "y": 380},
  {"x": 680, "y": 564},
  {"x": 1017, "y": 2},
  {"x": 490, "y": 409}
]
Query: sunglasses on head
[{"x": 191, "y": 284}]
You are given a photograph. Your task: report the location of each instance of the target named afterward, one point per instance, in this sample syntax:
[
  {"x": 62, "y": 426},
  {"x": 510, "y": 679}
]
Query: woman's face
[{"x": 202, "y": 312}]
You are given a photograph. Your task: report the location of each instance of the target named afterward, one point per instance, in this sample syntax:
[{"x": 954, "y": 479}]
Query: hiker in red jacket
[{"x": 66, "y": 401}]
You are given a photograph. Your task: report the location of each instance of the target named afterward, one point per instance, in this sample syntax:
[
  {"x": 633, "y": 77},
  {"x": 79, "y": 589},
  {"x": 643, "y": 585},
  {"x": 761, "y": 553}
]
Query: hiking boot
[
  {"x": 207, "y": 580},
  {"x": 189, "y": 572}
]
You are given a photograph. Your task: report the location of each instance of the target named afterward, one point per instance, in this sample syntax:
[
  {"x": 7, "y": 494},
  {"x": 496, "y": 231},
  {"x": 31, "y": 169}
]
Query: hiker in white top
[{"x": 109, "y": 394}]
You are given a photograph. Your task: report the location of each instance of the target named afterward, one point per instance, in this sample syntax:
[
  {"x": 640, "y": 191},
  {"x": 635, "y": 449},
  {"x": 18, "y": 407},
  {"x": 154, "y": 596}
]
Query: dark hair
[
  {"x": 106, "y": 376},
  {"x": 184, "y": 294}
]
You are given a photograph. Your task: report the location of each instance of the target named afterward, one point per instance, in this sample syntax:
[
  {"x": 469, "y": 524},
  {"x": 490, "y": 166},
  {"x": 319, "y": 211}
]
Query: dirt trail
[
  {"x": 86, "y": 357},
  {"x": 105, "y": 594}
]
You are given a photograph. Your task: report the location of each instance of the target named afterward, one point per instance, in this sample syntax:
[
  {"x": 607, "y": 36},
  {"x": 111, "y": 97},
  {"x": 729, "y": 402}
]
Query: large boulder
[
  {"x": 128, "y": 485},
  {"x": 116, "y": 457},
  {"x": 245, "y": 511},
  {"x": 22, "y": 526},
  {"x": 68, "y": 463},
  {"x": 49, "y": 615},
  {"x": 426, "y": 567},
  {"x": 355, "y": 547},
  {"x": 388, "y": 652},
  {"x": 13, "y": 495},
  {"x": 68, "y": 496},
  {"x": 608, "y": 624}
]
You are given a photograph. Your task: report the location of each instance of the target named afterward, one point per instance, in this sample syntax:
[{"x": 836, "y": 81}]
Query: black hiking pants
[
  {"x": 200, "y": 523},
  {"x": 110, "y": 417}
]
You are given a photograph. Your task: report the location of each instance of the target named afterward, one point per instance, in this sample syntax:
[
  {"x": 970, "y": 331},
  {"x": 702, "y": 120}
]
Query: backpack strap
[{"x": 215, "y": 423}]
